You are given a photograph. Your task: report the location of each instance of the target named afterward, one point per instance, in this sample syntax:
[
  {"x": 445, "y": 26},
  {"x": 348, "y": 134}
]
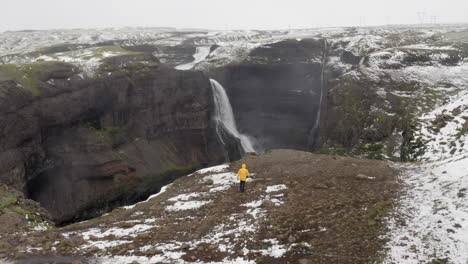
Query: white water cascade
[
  {"x": 322, "y": 88},
  {"x": 225, "y": 116}
]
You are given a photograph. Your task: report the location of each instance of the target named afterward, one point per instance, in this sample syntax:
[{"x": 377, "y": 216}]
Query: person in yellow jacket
[{"x": 242, "y": 175}]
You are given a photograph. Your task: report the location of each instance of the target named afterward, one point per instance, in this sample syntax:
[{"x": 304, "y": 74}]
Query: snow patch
[
  {"x": 276, "y": 188},
  {"x": 103, "y": 244},
  {"x": 185, "y": 196},
  {"x": 188, "y": 205},
  {"x": 225, "y": 179},
  {"x": 276, "y": 250},
  {"x": 163, "y": 189},
  {"x": 219, "y": 168}
]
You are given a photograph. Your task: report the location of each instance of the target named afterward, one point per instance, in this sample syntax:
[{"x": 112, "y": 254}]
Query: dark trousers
[{"x": 242, "y": 186}]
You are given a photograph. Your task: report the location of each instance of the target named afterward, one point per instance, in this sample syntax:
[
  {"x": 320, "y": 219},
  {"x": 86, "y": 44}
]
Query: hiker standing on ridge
[{"x": 242, "y": 175}]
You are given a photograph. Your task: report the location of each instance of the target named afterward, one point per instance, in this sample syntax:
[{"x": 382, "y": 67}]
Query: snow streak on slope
[
  {"x": 431, "y": 222},
  {"x": 200, "y": 55}
]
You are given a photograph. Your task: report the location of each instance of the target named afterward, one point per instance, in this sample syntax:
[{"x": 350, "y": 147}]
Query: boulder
[
  {"x": 267, "y": 204},
  {"x": 465, "y": 126},
  {"x": 4, "y": 246},
  {"x": 153, "y": 252},
  {"x": 209, "y": 182},
  {"x": 361, "y": 177},
  {"x": 185, "y": 246},
  {"x": 456, "y": 111},
  {"x": 11, "y": 222}
]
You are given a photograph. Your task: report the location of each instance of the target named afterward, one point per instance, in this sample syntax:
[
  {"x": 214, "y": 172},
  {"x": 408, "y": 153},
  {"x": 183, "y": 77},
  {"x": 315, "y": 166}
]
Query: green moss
[
  {"x": 100, "y": 52},
  {"x": 26, "y": 75},
  {"x": 331, "y": 147},
  {"x": 20, "y": 210},
  {"x": 108, "y": 132},
  {"x": 7, "y": 200},
  {"x": 130, "y": 67},
  {"x": 265, "y": 246},
  {"x": 372, "y": 150}
]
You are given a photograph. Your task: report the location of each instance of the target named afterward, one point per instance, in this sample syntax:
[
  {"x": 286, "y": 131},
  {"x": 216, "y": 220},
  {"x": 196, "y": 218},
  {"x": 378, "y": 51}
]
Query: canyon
[{"x": 88, "y": 126}]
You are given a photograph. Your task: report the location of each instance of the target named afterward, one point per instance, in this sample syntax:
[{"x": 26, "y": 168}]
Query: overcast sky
[{"x": 225, "y": 14}]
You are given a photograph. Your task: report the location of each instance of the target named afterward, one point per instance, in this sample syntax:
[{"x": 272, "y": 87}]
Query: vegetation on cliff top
[{"x": 28, "y": 76}]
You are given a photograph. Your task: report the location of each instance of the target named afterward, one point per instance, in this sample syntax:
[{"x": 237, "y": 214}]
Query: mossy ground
[{"x": 26, "y": 75}]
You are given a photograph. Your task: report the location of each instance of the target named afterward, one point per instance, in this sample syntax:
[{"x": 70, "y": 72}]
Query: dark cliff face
[
  {"x": 275, "y": 93},
  {"x": 78, "y": 139}
]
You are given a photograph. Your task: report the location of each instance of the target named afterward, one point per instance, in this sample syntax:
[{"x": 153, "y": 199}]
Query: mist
[{"x": 223, "y": 14}]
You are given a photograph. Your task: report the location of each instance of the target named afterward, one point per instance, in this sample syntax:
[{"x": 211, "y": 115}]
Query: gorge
[{"x": 88, "y": 127}]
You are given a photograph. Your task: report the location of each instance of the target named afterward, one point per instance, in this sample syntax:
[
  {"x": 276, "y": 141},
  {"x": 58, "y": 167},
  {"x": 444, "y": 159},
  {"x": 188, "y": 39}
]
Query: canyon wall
[{"x": 67, "y": 140}]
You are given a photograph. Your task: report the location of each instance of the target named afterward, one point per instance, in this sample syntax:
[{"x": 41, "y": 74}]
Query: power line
[{"x": 421, "y": 17}]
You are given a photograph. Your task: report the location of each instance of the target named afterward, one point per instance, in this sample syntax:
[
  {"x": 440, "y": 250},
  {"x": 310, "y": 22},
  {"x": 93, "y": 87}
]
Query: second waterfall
[{"x": 225, "y": 116}]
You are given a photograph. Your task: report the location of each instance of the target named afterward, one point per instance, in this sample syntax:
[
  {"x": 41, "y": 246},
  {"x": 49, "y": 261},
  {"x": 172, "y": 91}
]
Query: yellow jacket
[{"x": 243, "y": 173}]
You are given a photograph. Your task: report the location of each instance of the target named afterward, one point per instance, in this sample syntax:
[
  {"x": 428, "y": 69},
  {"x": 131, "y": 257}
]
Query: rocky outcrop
[
  {"x": 354, "y": 123},
  {"x": 18, "y": 213},
  {"x": 67, "y": 140}
]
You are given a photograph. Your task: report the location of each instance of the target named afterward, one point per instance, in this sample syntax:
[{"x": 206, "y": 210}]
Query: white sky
[{"x": 224, "y": 14}]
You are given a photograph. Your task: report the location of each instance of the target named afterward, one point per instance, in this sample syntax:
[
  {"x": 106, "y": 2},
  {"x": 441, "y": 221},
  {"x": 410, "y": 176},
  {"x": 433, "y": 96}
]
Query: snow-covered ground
[
  {"x": 431, "y": 220},
  {"x": 231, "y": 45},
  {"x": 239, "y": 229},
  {"x": 17, "y": 42},
  {"x": 449, "y": 140},
  {"x": 430, "y": 223}
]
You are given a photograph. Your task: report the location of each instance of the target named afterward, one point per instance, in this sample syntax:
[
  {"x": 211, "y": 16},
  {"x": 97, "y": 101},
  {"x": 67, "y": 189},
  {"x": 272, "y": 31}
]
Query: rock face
[
  {"x": 67, "y": 140},
  {"x": 275, "y": 92}
]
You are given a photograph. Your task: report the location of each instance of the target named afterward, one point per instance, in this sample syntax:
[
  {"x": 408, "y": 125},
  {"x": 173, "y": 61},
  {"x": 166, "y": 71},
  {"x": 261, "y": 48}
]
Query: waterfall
[
  {"x": 313, "y": 132},
  {"x": 224, "y": 115}
]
